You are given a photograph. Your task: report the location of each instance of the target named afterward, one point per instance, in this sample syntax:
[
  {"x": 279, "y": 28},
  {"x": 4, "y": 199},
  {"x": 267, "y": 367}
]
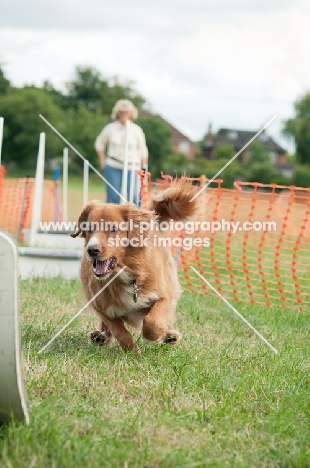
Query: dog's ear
[
  {"x": 139, "y": 221},
  {"x": 84, "y": 217}
]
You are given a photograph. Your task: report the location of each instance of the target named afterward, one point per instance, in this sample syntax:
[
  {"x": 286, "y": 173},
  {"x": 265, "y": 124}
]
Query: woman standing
[{"x": 113, "y": 136}]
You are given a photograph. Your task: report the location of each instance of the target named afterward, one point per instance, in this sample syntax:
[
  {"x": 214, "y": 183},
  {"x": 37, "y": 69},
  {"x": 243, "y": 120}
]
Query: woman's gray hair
[{"x": 124, "y": 105}]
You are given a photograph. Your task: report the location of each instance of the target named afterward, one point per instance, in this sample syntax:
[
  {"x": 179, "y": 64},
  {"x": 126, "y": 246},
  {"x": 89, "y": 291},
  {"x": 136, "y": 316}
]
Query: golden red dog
[{"x": 144, "y": 295}]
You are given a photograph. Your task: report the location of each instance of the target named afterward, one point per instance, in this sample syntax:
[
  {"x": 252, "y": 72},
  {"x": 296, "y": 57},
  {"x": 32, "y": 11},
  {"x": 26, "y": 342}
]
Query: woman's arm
[
  {"x": 100, "y": 144},
  {"x": 102, "y": 158}
]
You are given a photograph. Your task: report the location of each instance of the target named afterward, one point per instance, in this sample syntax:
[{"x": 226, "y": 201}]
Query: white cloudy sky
[{"x": 234, "y": 63}]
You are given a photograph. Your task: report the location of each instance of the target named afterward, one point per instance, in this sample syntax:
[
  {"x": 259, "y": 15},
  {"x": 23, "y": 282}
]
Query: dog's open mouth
[{"x": 103, "y": 267}]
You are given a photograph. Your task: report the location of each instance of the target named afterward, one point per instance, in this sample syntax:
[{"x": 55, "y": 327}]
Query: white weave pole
[
  {"x": 125, "y": 169},
  {"x": 38, "y": 191},
  {"x": 65, "y": 162},
  {"x": 1, "y": 135},
  {"x": 132, "y": 179},
  {"x": 85, "y": 182}
]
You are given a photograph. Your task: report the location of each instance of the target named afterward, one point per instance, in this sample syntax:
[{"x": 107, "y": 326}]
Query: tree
[
  {"x": 224, "y": 151},
  {"x": 113, "y": 89},
  {"x": 79, "y": 114},
  {"x": 81, "y": 129},
  {"x": 4, "y": 83},
  {"x": 299, "y": 128},
  {"x": 88, "y": 88},
  {"x": 301, "y": 176},
  {"x": 158, "y": 141},
  {"x": 58, "y": 97},
  {"x": 20, "y": 109},
  {"x": 257, "y": 154},
  {"x": 85, "y": 88},
  {"x": 175, "y": 163},
  {"x": 262, "y": 172},
  {"x": 209, "y": 168}
]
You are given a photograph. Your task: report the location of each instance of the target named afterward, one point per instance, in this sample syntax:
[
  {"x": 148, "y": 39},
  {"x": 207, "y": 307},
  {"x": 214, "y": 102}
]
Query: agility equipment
[{"x": 13, "y": 399}]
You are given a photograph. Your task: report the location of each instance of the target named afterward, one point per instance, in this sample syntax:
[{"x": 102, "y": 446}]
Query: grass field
[{"x": 221, "y": 398}]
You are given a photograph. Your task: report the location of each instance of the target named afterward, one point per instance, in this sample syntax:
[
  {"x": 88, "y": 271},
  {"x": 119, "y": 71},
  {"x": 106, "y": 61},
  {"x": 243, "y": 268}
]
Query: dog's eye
[{"x": 113, "y": 229}]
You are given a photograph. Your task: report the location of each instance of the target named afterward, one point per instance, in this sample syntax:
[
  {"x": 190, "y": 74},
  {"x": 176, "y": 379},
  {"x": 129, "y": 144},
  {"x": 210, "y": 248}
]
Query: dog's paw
[
  {"x": 100, "y": 338},
  {"x": 172, "y": 337}
]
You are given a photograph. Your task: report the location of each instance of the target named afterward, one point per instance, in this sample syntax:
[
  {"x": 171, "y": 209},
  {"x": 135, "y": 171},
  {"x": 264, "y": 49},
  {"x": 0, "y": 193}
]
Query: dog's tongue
[{"x": 101, "y": 267}]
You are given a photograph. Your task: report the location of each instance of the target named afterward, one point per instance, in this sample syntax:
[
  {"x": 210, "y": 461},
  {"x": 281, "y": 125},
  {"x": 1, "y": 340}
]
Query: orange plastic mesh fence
[
  {"x": 16, "y": 197},
  {"x": 258, "y": 266},
  {"x": 261, "y": 265}
]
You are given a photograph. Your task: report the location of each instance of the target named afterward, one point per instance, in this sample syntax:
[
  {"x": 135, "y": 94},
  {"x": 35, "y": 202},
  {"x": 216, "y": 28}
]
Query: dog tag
[{"x": 135, "y": 291}]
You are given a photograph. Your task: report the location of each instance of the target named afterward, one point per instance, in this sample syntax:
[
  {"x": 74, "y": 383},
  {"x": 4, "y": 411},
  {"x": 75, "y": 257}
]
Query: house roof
[
  {"x": 176, "y": 135},
  {"x": 239, "y": 138}
]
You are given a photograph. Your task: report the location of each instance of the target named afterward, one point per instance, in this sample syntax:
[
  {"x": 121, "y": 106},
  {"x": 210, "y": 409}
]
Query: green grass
[
  {"x": 94, "y": 183},
  {"x": 221, "y": 398},
  {"x": 74, "y": 181}
]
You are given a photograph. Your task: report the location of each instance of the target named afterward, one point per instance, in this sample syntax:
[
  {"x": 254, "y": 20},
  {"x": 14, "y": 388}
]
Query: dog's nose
[{"x": 93, "y": 250}]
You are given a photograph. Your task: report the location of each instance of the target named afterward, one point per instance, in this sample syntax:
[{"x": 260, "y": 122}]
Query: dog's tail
[{"x": 175, "y": 202}]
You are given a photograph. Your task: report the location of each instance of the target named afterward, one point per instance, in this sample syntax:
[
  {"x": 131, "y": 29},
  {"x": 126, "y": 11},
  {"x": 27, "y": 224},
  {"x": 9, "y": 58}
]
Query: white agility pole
[
  {"x": 85, "y": 182},
  {"x": 65, "y": 162},
  {"x": 125, "y": 169},
  {"x": 38, "y": 191},
  {"x": 1, "y": 135},
  {"x": 13, "y": 397},
  {"x": 146, "y": 168},
  {"x": 132, "y": 180}
]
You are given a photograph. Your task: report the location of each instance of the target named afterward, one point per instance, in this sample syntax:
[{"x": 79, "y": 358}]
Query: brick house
[
  {"x": 179, "y": 141},
  {"x": 238, "y": 138}
]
